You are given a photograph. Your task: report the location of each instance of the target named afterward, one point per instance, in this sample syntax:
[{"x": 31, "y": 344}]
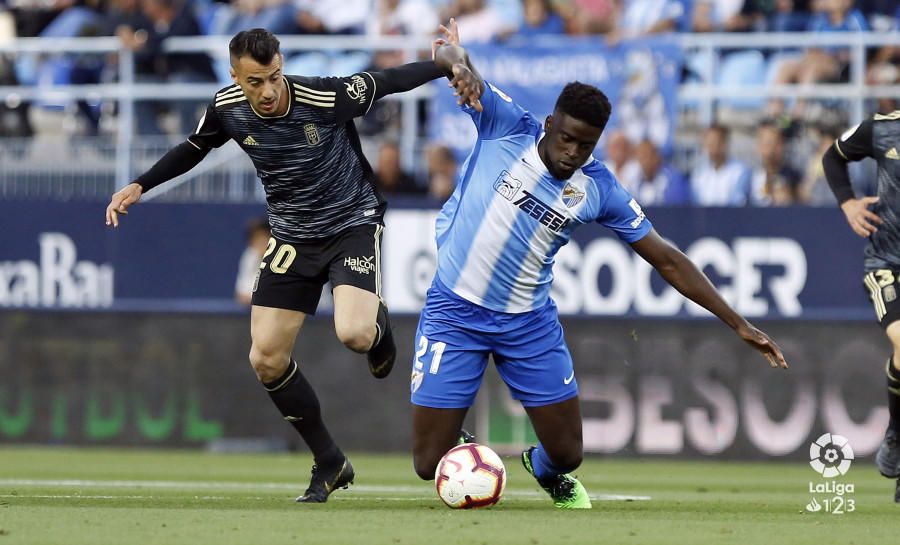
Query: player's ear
[
  {"x": 234, "y": 76},
  {"x": 548, "y": 123}
]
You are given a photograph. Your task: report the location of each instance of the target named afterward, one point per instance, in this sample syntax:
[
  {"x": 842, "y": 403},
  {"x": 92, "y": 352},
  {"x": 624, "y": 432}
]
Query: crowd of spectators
[{"x": 788, "y": 134}]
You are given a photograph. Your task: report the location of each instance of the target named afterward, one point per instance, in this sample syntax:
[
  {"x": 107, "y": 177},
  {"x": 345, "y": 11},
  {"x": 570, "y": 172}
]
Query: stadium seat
[{"x": 739, "y": 69}]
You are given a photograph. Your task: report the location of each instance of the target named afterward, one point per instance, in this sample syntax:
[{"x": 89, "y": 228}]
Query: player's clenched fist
[{"x": 120, "y": 202}]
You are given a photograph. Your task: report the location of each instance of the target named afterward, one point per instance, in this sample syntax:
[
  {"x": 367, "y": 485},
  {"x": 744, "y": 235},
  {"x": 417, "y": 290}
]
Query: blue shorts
[{"x": 455, "y": 338}]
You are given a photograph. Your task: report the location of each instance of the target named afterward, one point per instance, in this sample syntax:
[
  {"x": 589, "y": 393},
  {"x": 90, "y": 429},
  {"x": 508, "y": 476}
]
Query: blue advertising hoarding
[{"x": 769, "y": 263}]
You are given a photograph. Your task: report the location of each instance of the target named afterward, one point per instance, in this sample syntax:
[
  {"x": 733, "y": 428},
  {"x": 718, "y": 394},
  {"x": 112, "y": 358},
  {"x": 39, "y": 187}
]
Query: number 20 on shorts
[
  {"x": 282, "y": 259},
  {"x": 437, "y": 351}
]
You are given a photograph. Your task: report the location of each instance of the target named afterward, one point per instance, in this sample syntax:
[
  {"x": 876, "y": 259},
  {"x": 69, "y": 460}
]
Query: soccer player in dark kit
[
  {"x": 877, "y": 137},
  {"x": 325, "y": 213}
]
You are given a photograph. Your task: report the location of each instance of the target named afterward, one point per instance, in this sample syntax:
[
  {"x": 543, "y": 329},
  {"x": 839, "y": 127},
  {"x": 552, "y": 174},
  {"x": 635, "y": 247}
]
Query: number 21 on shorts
[{"x": 437, "y": 352}]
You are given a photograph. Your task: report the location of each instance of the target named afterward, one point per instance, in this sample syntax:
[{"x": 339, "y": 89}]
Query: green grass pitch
[{"x": 122, "y": 497}]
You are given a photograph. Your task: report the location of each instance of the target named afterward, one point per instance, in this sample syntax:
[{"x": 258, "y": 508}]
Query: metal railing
[{"x": 126, "y": 91}]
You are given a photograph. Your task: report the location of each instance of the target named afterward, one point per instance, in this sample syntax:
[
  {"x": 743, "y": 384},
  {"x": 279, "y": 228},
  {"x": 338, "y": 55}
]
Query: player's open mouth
[
  {"x": 566, "y": 166},
  {"x": 267, "y": 105}
]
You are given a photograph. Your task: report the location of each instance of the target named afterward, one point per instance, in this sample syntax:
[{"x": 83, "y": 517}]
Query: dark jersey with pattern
[
  {"x": 309, "y": 160},
  {"x": 879, "y": 137}
]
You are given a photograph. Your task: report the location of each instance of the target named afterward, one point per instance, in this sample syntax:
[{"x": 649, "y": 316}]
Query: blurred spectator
[
  {"x": 257, "y": 239},
  {"x": 392, "y": 180},
  {"x": 884, "y": 69},
  {"x": 588, "y": 16},
  {"x": 540, "y": 18},
  {"x": 172, "y": 18},
  {"x": 774, "y": 181},
  {"x": 276, "y": 16},
  {"x": 814, "y": 189},
  {"x": 638, "y": 18},
  {"x": 441, "y": 173},
  {"x": 718, "y": 180},
  {"x": 403, "y": 17},
  {"x": 653, "y": 183},
  {"x": 478, "y": 20},
  {"x": 33, "y": 16},
  {"x": 820, "y": 64},
  {"x": 720, "y": 15},
  {"x": 332, "y": 16},
  {"x": 618, "y": 152}
]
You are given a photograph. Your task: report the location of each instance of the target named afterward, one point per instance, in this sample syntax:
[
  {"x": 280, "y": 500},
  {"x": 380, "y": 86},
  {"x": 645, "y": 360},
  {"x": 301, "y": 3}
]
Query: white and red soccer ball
[{"x": 470, "y": 476}]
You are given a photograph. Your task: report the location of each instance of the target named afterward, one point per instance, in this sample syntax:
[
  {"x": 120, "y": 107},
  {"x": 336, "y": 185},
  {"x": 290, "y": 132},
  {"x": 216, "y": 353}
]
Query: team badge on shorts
[{"x": 415, "y": 381}]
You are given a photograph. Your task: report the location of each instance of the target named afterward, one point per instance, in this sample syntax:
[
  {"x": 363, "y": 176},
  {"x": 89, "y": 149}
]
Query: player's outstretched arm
[
  {"x": 174, "y": 163},
  {"x": 467, "y": 83},
  {"x": 683, "y": 275}
]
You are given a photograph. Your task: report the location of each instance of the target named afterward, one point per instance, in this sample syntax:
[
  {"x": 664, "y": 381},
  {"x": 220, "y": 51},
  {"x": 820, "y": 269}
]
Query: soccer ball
[{"x": 470, "y": 476}]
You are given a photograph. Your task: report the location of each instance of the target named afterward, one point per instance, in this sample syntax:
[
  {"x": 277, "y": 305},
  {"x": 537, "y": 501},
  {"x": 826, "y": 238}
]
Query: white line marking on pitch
[{"x": 205, "y": 485}]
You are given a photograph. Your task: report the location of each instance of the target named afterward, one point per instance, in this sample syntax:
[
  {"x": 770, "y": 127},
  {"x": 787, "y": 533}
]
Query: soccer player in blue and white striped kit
[{"x": 523, "y": 190}]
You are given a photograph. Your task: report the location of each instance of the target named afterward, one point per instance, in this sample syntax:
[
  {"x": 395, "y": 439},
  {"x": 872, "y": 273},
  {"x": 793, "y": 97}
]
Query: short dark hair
[
  {"x": 723, "y": 131},
  {"x": 259, "y": 43},
  {"x": 584, "y": 102}
]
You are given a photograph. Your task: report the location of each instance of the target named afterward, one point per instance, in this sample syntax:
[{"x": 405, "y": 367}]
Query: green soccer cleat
[
  {"x": 324, "y": 481},
  {"x": 567, "y": 492},
  {"x": 465, "y": 437}
]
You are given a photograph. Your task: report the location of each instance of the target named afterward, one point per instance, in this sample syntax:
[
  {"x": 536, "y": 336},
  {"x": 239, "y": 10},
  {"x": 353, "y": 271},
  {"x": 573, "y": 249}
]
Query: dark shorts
[
  {"x": 883, "y": 286},
  {"x": 292, "y": 274}
]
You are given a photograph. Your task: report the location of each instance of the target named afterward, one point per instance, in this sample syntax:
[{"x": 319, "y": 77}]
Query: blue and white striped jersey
[{"x": 498, "y": 233}]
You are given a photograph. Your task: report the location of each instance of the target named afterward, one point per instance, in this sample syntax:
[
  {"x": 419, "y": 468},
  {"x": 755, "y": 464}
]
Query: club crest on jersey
[
  {"x": 312, "y": 133},
  {"x": 571, "y": 196},
  {"x": 507, "y": 186},
  {"x": 356, "y": 88},
  {"x": 547, "y": 216}
]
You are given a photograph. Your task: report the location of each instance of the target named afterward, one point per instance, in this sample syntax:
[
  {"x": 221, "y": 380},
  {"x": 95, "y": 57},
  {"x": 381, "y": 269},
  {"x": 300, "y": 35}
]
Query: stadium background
[{"x": 133, "y": 337}]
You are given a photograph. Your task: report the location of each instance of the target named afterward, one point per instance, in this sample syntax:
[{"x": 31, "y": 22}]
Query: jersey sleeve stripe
[
  {"x": 314, "y": 102},
  {"x": 228, "y": 91},
  {"x": 193, "y": 144},
  {"x": 323, "y": 94},
  {"x": 837, "y": 146},
  {"x": 230, "y": 101},
  {"x": 314, "y": 97},
  {"x": 236, "y": 95}
]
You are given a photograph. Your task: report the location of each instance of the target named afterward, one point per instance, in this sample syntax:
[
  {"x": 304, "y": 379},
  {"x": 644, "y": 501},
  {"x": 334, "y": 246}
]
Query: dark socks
[
  {"x": 382, "y": 325},
  {"x": 893, "y": 380},
  {"x": 295, "y": 398}
]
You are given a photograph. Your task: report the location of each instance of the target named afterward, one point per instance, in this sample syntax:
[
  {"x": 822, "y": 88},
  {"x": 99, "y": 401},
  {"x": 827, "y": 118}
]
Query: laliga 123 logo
[{"x": 830, "y": 455}]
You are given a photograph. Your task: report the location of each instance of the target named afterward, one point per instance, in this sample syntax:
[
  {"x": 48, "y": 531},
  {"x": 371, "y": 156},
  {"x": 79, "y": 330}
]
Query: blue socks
[{"x": 542, "y": 466}]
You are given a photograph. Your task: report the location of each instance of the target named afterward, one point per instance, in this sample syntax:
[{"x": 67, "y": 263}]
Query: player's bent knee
[
  {"x": 357, "y": 337},
  {"x": 267, "y": 366}
]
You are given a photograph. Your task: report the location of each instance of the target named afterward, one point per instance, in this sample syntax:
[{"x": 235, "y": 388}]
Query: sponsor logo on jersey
[
  {"x": 507, "y": 186},
  {"x": 250, "y": 141},
  {"x": 312, "y": 134},
  {"x": 547, "y": 216},
  {"x": 892, "y": 154},
  {"x": 571, "y": 196},
  {"x": 356, "y": 88},
  {"x": 361, "y": 265},
  {"x": 637, "y": 210},
  {"x": 500, "y": 93}
]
